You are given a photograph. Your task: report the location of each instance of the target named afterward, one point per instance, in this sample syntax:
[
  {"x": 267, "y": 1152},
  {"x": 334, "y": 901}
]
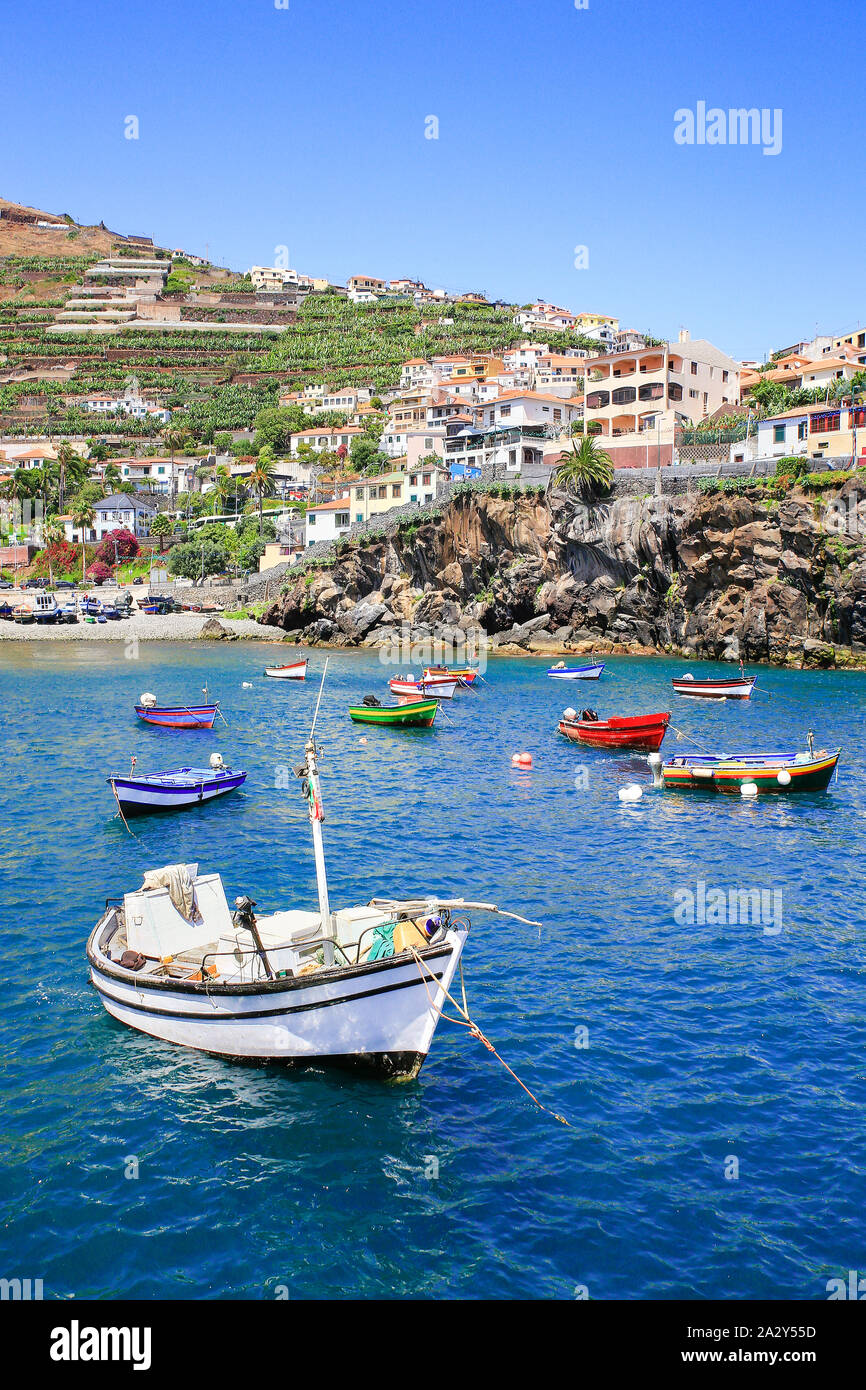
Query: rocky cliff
[{"x": 760, "y": 575}]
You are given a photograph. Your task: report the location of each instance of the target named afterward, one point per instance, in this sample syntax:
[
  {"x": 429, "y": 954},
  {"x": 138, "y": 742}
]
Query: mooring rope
[{"x": 474, "y": 1031}]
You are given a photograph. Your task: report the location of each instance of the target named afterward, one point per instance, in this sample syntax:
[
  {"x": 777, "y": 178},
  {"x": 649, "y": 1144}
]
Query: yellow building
[{"x": 587, "y": 321}]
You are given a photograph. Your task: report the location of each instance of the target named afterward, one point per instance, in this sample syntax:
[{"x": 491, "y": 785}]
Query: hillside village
[{"x": 140, "y": 382}]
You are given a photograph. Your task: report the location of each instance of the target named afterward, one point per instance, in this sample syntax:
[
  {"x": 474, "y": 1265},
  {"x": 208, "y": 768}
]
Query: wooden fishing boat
[
  {"x": 463, "y": 675},
  {"x": 174, "y": 790},
  {"x": 770, "y": 772},
  {"x": 200, "y": 716},
  {"x": 442, "y": 687},
  {"x": 641, "y": 733},
  {"x": 361, "y": 987},
  {"x": 414, "y": 714},
  {"x": 294, "y": 671},
  {"x": 739, "y": 688},
  {"x": 562, "y": 672}
]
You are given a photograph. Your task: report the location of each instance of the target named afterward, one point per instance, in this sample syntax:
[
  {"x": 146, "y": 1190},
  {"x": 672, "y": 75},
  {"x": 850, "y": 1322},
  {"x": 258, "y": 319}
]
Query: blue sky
[{"x": 261, "y": 127}]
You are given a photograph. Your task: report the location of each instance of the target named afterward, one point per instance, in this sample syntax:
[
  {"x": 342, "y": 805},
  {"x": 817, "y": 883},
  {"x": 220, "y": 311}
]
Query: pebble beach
[{"x": 144, "y": 627}]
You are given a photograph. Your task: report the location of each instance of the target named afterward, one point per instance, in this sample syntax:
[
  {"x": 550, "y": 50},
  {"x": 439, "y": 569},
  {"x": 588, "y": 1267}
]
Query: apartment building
[
  {"x": 269, "y": 277},
  {"x": 631, "y": 394},
  {"x": 365, "y": 284}
]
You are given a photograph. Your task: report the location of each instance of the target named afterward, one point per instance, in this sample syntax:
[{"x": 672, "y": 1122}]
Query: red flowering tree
[
  {"x": 118, "y": 545},
  {"x": 98, "y": 572}
]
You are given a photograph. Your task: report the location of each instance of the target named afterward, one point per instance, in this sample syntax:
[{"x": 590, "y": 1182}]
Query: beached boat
[
  {"x": 362, "y": 987},
  {"x": 641, "y": 733},
  {"x": 769, "y": 772},
  {"x": 442, "y": 687},
  {"x": 294, "y": 671},
  {"x": 190, "y": 716},
  {"x": 413, "y": 714},
  {"x": 740, "y": 688},
  {"x": 174, "y": 790},
  {"x": 561, "y": 672}
]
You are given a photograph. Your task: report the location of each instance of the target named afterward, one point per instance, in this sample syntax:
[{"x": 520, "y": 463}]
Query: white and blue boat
[
  {"x": 175, "y": 790},
  {"x": 561, "y": 672}
]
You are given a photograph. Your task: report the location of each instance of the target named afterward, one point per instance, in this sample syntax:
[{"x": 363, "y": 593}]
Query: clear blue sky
[{"x": 305, "y": 126}]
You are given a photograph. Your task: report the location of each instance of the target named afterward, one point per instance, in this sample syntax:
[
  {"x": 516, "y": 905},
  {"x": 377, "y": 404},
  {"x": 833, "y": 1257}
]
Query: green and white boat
[{"x": 418, "y": 715}]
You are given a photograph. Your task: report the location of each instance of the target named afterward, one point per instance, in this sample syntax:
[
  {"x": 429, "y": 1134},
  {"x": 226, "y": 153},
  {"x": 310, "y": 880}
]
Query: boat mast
[{"x": 317, "y": 816}]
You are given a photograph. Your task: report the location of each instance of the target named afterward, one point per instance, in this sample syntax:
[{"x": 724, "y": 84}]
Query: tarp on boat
[{"x": 180, "y": 884}]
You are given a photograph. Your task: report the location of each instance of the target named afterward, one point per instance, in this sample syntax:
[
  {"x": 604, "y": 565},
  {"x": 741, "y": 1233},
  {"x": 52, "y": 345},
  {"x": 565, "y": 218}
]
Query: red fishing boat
[
  {"x": 641, "y": 733},
  {"x": 200, "y": 716}
]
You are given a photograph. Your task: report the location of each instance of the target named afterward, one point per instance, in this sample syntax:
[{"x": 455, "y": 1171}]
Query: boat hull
[
  {"x": 418, "y": 714},
  {"x": 728, "y": 775},
  {"x": 716, "y": 690},
  {"x": 141, "y": 795},
  {"x": 179, "y": 717},
  {"x": 640, "y": 734},
  {"x": 378, "y": 1017},
  {"x": 578, "y": 673}
]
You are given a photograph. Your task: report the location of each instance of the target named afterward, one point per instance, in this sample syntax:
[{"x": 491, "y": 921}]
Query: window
[
  {"x": 693, "y": 395},
  {"x": 359, "y": 516},
  {"x": 311, "y": 518},
  {"x": 396, "y": 489},
  {"x": 802, "y": 429},
  {"x": 503, "y": 411},
  {"x": 428, "y": 443},
  {"x": 557, "y": 414},
  {"x": 413, "y": 479},
  {"x": 342, "y": 518},
  {"x": 694, "y": 367},
  {"x": 425, "y": 480},
  {"x": 778, "y": 434},
  {"x": 724, "y": 376},
  {"x": 359, "y": 494}
]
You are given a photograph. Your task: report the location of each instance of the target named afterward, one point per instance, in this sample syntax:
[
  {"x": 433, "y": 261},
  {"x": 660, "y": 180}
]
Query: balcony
[
  {"x": 624, "y": 395},
  {"x": 653, "y": 391},
  {"x": 597, "y": 400}
]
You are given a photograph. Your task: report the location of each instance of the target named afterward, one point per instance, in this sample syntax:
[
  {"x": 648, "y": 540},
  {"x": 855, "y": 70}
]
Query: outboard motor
[
  {"x": 371, "y": 702},
  {"x": 244, "y": 918},
  {"x": 589, "y": 715}
]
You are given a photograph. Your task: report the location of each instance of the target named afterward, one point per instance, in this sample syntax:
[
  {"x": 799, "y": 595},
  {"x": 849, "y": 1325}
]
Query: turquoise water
[{"x": 707, "y": 1042}]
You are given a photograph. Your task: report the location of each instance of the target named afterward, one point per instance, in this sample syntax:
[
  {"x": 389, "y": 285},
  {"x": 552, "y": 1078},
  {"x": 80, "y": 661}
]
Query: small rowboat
[
  {"x": 770, "y": 772},
  {"x": 642, "y": 733},
  {"x": 179, "y": 716},
  {"x": 172, "y": 791},
  {"x": 463, "y": 675},
  {"x": 739, "y": 689},
  {"x": 442, "y": 687},
  {"x": 577, "y": 673},
  {"x": 416, "y": 715},
  {"x": 295, "y": 671}
]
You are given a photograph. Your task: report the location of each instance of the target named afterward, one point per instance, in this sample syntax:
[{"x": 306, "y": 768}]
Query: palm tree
[
  {"x": 82, "y": 517},
  {"x": 262, "y": 478},
  {"x": 174, "y": 437},
  {"x": 585, "y": 469},
  {"x": 111, "y": 477}
]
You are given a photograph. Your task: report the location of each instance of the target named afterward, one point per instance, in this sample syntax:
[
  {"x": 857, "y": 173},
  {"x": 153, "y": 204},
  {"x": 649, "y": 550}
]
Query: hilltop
[{"x": 61, "y": 234}]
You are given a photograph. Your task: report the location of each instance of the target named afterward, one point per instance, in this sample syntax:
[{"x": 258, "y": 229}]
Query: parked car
[
  {"x": 6, "y": 584},
  {"x": 35, "y": 584},
  {"x": 138, "y": 579},
  {"x": 65, "y": 584}
]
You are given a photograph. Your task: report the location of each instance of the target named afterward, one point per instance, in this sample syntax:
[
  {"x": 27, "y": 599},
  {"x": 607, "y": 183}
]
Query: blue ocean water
[{"x": 711, "y": 1048}]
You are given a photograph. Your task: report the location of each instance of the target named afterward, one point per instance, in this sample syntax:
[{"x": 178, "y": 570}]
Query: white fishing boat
[
  {"x": 438, "y": 687},
  {"x": 359, "y": 987},
  {"x": 295, "y": 671}
]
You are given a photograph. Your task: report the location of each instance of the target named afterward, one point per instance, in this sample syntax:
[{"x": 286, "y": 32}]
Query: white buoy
[
  {"x": 654, "y": 761},
  {"x": 247, "y": 685},
  {"x": 630, "y": 793},
  {"x": 783, "y": 777},
  {"x": 147, "y": 700},
  {"x": 748, "y": 789},
  {"x": 569, "y": 713}
]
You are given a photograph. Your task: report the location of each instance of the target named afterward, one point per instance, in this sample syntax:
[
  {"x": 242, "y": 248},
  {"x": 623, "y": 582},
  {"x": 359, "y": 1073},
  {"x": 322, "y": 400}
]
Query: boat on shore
[
  {"x": 775, "y": 773},
  {"x": 442, "y": 687},
  {"x": 202, "y": 716},
  {"x": 294, "y": 671},
  {"x": 740, "y": 688},
  {"x": 174, "y": 790},
  {"x": 561, "y": 672},
  {"x": 361, "y": 987},
  {"x": 641, "y": 733},
  {"x": 413, "y": 714}
]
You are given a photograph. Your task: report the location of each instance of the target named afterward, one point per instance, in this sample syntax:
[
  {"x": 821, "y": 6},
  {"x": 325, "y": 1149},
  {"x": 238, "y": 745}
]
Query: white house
[
  {"x": 327, "y": 521},
  {"x": 119, "y": 511}
]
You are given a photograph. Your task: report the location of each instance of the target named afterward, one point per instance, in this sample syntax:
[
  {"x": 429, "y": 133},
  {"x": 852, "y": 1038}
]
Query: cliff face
[{"x": 716, "y": 575}]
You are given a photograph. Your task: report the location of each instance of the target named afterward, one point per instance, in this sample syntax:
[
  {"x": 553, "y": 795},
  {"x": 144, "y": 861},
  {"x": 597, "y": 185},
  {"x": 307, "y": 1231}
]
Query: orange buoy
[{"x": 521, "y": 760}]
